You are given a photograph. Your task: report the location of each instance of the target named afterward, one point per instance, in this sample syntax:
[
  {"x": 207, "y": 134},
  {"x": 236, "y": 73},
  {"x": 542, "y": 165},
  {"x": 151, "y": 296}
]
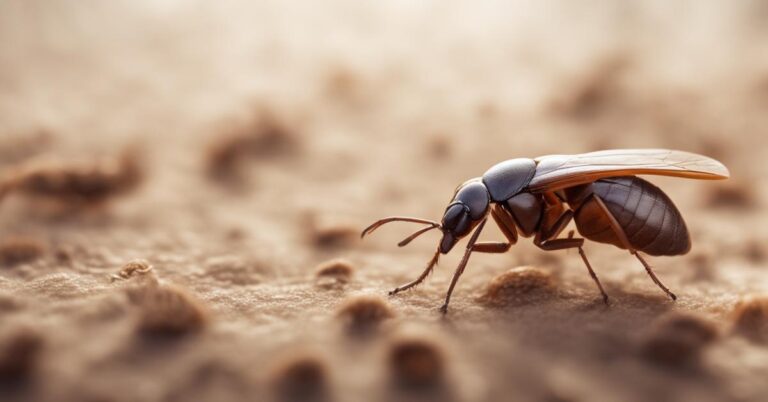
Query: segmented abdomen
[{"x": 650, "y": 220}]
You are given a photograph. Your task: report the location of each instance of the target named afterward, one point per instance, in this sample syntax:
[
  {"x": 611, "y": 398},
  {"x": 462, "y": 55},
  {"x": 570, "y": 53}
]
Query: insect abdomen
[{"x": 650, "y": 220}]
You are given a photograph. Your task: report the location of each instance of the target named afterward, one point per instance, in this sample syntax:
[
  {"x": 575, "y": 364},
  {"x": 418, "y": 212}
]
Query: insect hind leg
[{"x": 622, "y": 236}]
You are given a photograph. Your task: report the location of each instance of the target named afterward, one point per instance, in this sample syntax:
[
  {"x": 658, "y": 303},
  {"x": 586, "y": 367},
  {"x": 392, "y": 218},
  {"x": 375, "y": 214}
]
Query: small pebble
[
  {"x": 169, "y": 310},
  {"x": 677, "y": 339},
  {"x": 136, "y": 267},
  {"x": 519, "y": 286},
  {"x": 19, "y": 354},
  {"x": 365, "y": 313},
  {"x": 333, "y": 274},
  {"x": 20, "y": 249},
  {"x": 730, "y": 194},
  {"x": 416, "y": 363},
  {"x": 750, "y": 318},
  {"x": 300, "y": 378}
]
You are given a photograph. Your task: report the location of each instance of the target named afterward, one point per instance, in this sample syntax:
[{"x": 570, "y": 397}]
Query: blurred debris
[
  {"x": 595, "y": 92},
  {"x": 333, "y": 274},
  {"x": 677, "y": 339},
  {"x": 212, "y": 380},
  {"x": 344, "y": 85},
  {"x": 20, "y": 249},
  {"x": 731, "y": 194},
  {"x": 20, "y": 349},
  {"x": 301, "y": 377},
  {"x": 439, "y": 146},
  {"x": 750, "y": 318},
  {"x": 264, "y": 135},
  {"x": 755, "y": 251},
  {"x": 76, "y": 184},
  {"x": 363, "y": 314},
  {"x": 9, "y": 303},
  {"x": 136, "y": 267},
  {"x": 167, "y": 310},
  {"x": 329, "y": 233},
  {"x": 521, "y": 285},
  {"x": 416, "y": 363}
]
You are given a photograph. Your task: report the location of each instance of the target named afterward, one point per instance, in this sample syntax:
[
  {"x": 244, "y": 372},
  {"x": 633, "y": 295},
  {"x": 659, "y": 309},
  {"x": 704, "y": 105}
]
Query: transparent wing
[{"x": 555, "y": 172}]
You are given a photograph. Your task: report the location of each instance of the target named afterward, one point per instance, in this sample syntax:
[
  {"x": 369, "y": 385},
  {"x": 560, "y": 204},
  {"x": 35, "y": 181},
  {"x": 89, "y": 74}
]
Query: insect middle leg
[{"x": 545, "y": 240}]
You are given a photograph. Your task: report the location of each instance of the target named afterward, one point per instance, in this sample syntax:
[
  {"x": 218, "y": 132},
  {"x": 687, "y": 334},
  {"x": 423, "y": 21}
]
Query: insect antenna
[
  {"x": 380, "y": 222},
  {"x": 416, "y": 234}
]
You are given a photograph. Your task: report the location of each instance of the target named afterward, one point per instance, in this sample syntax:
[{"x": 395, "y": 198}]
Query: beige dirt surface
[{"x": 184, "y": 184}]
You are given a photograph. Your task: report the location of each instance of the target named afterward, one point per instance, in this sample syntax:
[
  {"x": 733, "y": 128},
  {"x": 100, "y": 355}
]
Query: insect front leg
[
  {"x": 463, "y": 264},
  {"x": 424, "y": 275},
  {"x": 507, "y": 227}
]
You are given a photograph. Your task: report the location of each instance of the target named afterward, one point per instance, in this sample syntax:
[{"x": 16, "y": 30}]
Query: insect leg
[
  {"x": 424, "y": 275},
  {"x": 625, "y": 241},
  {"x": 462, "y": 265},
  {"x": 505, "y": 223},
  {"x": 544, "y": 240},
  {"x": 593, "y": 274},
  {"x": 564, "y": 244},
  {"x": 653, "y": 276}
]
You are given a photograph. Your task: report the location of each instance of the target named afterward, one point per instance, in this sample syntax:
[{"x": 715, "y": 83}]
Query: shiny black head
[
  {"x": 471, "y": 202},
  {"x": 468, "y": 208}
]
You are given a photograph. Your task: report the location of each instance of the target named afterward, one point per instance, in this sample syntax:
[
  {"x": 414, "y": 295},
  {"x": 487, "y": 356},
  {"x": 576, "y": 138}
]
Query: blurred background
[{"x": 204, "y": 169}]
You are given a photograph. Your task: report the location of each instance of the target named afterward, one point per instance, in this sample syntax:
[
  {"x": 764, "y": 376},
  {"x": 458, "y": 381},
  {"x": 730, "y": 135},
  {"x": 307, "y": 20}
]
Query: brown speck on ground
[
  {"x": 77, "y": 184},
  {"x": 334, "y": 273},
  {"x": 300, "y": 378},
  {"x": 755, "y": 251},
  {"x": 168, "y": 310},
  {"x": 519, "y": 285},
  {"x": 731, "y": 194},
  {"x": 677, "y": 339},
  {"x": 599, "y": 89},
  {"x": 439, "y": 147},
  {"x": 262, "y": 135},
  {"x": 750, "y": 318},
  {"x": 364, "y": 313},
  {"x": 331, "y": 233},
  {"x": 416, "y": 363},
  {"x": 136, "y": 267},
  {"x": 20, "y": 349},
  {"x": 20, "y": 249}
]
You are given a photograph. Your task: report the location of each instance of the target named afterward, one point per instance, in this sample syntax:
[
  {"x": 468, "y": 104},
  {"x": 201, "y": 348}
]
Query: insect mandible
[{"x": 539, "y": 197}]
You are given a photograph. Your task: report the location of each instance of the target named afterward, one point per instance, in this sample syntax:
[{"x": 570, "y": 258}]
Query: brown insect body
[
  {"x": 648, "y": 217},
  {"x": 598, "y": 191}
]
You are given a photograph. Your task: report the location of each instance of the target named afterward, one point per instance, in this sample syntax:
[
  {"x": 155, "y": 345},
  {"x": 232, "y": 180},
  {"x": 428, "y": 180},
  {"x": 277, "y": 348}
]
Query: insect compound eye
[
  {"x": 475, "y": 196},
  {"x": 452, "y": 216},
  {"x": 464, "y": 226}
]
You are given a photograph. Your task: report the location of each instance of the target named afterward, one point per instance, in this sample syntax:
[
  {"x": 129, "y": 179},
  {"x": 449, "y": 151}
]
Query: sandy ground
[{"x": 238, "y": 149}]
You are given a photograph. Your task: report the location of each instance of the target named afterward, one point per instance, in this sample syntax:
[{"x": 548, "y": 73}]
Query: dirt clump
[
  {"x": 20, "y": 350},
  {"x": 750, "y": 318},
  {"x": 519, "y": 286},
  {"x": 300, "y": 378},
  {"x": 364, "y": 313},
  {"x": 20, "y": 249},
  {"x": 333, "y": 274},
  {"x": 677, "y": 339}
]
